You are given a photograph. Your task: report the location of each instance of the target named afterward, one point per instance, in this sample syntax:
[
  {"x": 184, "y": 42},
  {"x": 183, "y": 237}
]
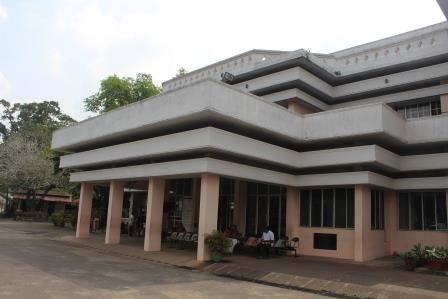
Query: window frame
[{"x": 410, "y": 226}]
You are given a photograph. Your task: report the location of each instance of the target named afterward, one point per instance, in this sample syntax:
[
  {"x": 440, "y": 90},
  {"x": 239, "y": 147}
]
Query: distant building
[
  {"x": 347, "y": 151},
  {"x": 42, "y": 204}
]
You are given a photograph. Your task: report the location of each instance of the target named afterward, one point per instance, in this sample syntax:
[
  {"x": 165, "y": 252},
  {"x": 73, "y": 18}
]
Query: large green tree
[
  {"x": 116, "y": 92},
  {"x": 26, "y": 159}
]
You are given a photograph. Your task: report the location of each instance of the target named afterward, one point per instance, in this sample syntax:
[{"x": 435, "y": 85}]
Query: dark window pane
[
  {"x": 251, "y": 188},
  {"x": 327, "y": 212},
  {"x": 274, "y": 209},
  {"x": 305, "y": 208},
  {"x": 429, "y": 211},
  {"x": 188, "y": 186},
  {"x": 381, "y": 206},
  {"x": 350, "y": 208},
  {"x": 251, "y": 211},
  {"x": 262, "y": 213},
  {"x": 441, "y": 211},
  {"x": 416, "y": 211},
  {"x": 273, "y": 189},
  {"x": 316, "y": 208},
  {"x": 340, "y": 208},
  {"x": 283, "y": 218},
  {"x": 262, "y": 189},
  {"x": 403, "y": 211}
]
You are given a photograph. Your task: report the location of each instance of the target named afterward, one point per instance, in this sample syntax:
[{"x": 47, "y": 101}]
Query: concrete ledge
[{"x": 194, "y": 167}]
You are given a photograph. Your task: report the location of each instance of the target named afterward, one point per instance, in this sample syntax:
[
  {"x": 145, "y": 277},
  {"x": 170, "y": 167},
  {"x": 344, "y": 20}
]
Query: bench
[{"x": 287, "y": 245}]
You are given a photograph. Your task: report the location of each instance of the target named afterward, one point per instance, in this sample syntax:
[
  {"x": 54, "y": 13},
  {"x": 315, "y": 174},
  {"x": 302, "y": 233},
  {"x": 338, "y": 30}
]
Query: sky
[{"x": 61, "y": 49}]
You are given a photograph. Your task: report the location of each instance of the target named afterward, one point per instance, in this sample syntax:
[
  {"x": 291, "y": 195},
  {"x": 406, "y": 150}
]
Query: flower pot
[
  {"x": 436, "y": 265},
  {"x": 217, "y": 256},
  {"x": 410, "y": 264}
]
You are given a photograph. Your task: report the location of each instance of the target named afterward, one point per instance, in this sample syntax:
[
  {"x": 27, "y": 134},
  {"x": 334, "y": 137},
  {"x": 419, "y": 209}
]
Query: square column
[
  {"x": 154, "y": 214},
  {"x": 208, "y": 212},
  {"x": 362, "y": 221},
  {"x": 239, "y": 214},
  {"x": 84, "y": 211},
  {"x": 114, "y": 210},
  {"x": 292, "y": 211},
  {"x": 444, "y": 103}
]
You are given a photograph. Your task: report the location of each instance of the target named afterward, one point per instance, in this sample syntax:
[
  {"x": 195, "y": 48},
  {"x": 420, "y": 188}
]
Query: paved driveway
[{"x": 34, "y": 266}]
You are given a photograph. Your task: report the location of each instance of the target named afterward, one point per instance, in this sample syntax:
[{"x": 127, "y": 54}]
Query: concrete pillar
[
  {"x": 390, "y": 219},
  {"x": 208, "y": 212},
  {"x": 362, "y": 221},
  {"x": 84, "y": 211},
  {"x": 299, "y": 108},
  {"x": 239, "y": 211},
  {"x": 114, "y": 211},
  {"x": 292, "y": 211},
  {"x": 444, "y": 103},
  {"x": 154, "y": 214}
]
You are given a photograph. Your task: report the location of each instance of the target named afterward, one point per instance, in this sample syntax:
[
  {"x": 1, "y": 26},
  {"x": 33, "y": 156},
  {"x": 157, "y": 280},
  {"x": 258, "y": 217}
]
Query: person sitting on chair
[{"x": 266, "y": 241}]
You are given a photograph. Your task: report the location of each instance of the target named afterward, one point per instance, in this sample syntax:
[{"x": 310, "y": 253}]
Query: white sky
[{"x": 60, "y": 50}]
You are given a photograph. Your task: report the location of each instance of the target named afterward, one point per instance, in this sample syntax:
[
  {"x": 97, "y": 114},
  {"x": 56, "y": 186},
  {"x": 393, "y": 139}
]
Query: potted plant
[
  {"x": 419, "y": 253},
  {"x": 216, "y": 242},
  {"x": 410, "y": 260},
  {"x": 436, "y": 258}
]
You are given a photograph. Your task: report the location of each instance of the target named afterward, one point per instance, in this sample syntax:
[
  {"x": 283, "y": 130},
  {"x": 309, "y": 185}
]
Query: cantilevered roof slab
[{"x": 209, "y": 101}]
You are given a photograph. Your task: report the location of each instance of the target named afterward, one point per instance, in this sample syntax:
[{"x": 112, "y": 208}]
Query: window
[
  {"x": 377, "y": 209},
  {"x": 266, "y": 205},
  {"x": 327, "y": 208},
  {"x": 422, "y": 210},
  {"x": 427, "y": 108}
]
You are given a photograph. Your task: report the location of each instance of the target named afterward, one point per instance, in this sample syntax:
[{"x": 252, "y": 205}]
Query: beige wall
[
  {"x": 444, "y": 103},
  {"x": 299, "y": 108}
]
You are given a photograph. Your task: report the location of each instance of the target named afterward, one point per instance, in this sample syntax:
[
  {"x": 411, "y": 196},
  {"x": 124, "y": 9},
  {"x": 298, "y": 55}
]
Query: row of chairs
[{"x": 182, "y": 240}]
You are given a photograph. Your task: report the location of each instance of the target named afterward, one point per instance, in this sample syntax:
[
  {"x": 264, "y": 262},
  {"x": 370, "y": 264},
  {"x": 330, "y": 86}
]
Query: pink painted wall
[{"x": 345, "y": 241}]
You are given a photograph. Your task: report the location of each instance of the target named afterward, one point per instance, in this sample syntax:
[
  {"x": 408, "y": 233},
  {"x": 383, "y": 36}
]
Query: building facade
[{"x": 347, "y": 151}]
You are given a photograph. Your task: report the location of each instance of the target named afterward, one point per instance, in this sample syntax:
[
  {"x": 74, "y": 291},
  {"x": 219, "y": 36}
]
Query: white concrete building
[{"x": 347, "y": 151}]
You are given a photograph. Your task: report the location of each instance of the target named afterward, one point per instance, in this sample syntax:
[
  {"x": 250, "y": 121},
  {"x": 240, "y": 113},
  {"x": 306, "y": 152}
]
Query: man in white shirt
[{"x": 266, "y": 241}]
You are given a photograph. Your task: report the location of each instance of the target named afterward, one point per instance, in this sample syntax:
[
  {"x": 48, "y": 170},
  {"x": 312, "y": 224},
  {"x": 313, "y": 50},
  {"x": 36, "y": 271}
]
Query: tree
[
  {"x": 181, "y": 71},
  {"x": 26, "y": 159},
  {"x": 34, "y": 120},
  {"x": 116, "y": 92}
]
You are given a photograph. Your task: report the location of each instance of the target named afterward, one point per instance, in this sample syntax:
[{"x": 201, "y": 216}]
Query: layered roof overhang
[{"x": 210, "y": 102}]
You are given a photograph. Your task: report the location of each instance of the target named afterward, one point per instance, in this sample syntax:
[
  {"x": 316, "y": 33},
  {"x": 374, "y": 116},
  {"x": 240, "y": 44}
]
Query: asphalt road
[{"x": 32, "y": 265}]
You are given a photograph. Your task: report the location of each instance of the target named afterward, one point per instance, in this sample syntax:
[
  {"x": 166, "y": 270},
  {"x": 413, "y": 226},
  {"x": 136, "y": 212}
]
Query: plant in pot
[
  {"x": 216, "y": 242},
  {"x": 419, "y": 253},
  {"x": 435, "y": 258},
  {"x": 410, "y": 260}
]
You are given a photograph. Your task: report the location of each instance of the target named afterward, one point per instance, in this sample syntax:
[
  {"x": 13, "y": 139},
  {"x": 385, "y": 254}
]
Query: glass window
[
  {"x": 327, "y": 208},
  {"x": 436, "y": 108},
  {"x": 412, "y": 111},
  {"x": 424, "y": 110},
  {"x": 429, "y": 207},
  {"x": 422, "y": 210},
  {"x": 377, "y": 209},
  {"x": 305, "y": 208},
  {"x": 441, "y": 211},
  {"x": 316, "y": 208},
  {"x": 340, "y": 208}
]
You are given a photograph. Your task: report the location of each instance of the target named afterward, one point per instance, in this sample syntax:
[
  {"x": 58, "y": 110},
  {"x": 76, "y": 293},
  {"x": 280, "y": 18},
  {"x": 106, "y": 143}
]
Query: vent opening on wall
[{"x": 325, "y": 241}]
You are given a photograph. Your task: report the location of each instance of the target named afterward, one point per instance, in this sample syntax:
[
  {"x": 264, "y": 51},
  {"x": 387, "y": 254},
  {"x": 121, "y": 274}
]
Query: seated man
[{"x": 266, "y": 241}]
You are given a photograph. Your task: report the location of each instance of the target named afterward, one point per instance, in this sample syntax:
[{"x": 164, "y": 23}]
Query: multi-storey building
[{"x": 347, "y": 151}]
